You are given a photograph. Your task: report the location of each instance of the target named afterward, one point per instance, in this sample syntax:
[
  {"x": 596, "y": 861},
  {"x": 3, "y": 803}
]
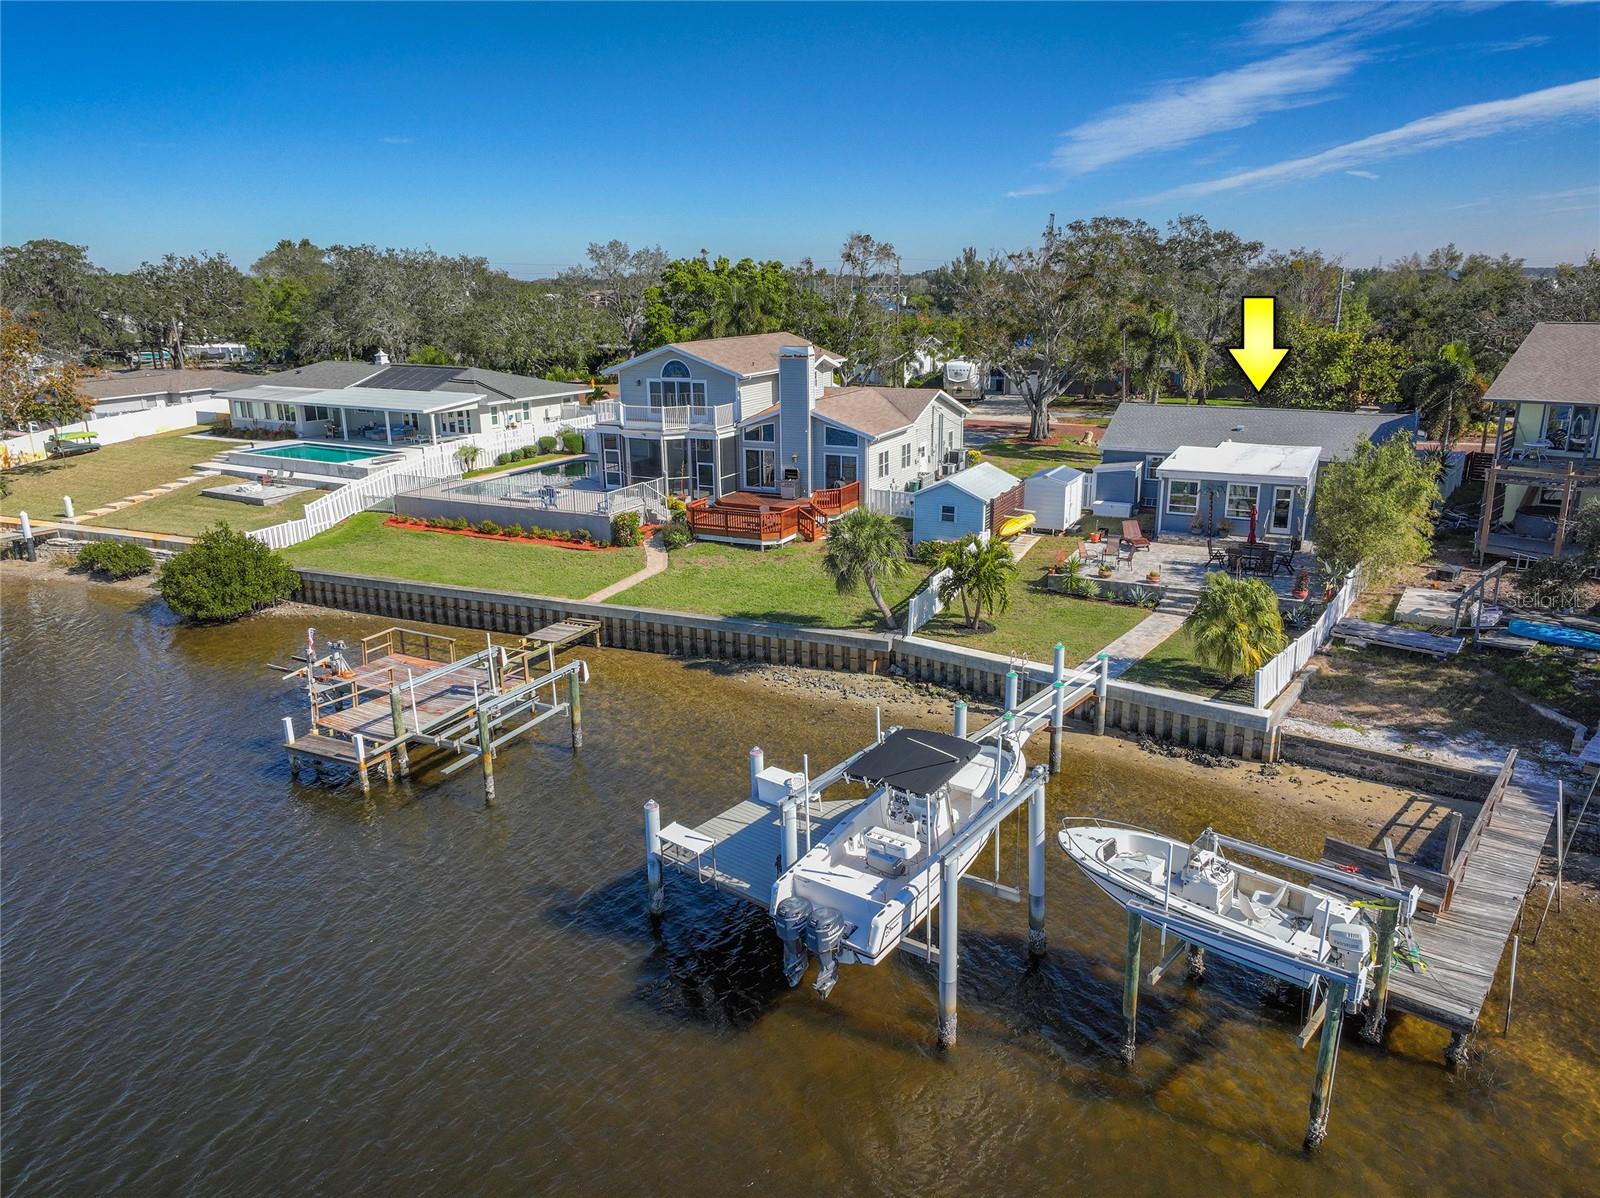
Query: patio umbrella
[{"x": 1252, "y": 524}]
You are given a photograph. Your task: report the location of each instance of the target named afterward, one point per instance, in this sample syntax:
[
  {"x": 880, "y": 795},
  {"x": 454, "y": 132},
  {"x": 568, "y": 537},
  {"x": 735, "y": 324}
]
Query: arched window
[{"x": 675, "y": 388}]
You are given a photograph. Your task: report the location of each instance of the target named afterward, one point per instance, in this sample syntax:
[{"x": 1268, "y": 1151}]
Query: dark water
[{"x": 219, "y": 981}]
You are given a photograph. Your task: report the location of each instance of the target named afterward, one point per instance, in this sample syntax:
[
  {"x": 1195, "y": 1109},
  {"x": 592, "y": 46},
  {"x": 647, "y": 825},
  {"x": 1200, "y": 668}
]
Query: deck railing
[
  {"x": 834, "y": 501},
  {"x": 677, "y": 416},
  {"x": 744, "y": 523}
]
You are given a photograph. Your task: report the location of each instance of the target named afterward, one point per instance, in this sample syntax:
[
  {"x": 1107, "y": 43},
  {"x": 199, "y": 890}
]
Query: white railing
[
  {"x": 680, "y": 416},
  {"x": 126, "y": 426},
  {"x": 926, "y": 603},
  {"x": 433, "y": 465},
  {"x": 1271, "y": 678},
  {"x": 889, "y": 503}
]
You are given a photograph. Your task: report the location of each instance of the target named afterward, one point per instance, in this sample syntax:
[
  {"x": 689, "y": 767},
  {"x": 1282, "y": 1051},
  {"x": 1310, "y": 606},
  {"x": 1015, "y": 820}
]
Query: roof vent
[
  {"x": 1238, "y": 428},
  {"x": 380, "y": 358}
]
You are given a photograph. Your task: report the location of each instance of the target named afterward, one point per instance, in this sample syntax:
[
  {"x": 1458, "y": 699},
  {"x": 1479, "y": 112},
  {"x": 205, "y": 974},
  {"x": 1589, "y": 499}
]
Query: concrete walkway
[
  {"x": 655, "y": 561},
  {"x": 1133, "y": 645}
]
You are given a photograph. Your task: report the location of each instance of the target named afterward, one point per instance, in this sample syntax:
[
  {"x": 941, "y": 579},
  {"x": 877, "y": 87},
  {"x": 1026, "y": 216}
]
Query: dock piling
[
  {"x": 1378, "y": 1010},
  {"x": 961, "y": 718},
  {"x": 486, "y": 756},
  {"x": 1130, "y": 987},
  {"x": 791, "y": 830},
  {"x": 1058, "y": 720},
  {"x": 757, "y": 764},
  {"x": 288, "y": 730},
  {"x": 361, "y": 763},
  {"x": 652, "y": 857},
  {"x": 1197, "y": 963},
  {"x": 66, "y": 503},
  {"x": 1327, "y": 1063},
  {"x": 1011, "y": 691},
  {"x": 1101, "y": 685},
  {"x": 1036, "y": 936},
  {"x": 397, "y": 713},
  {"x": 949, "y": 892},
  {"x": 27, "y": 537},
  {"x": 575, "y": 709}
]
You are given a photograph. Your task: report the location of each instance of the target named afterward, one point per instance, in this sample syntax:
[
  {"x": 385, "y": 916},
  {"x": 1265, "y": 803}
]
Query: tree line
[{"x": 1102, "y": 303}]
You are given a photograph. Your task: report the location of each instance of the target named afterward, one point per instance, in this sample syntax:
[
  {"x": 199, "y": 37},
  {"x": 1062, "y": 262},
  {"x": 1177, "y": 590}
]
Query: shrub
[
  {"x": 676, "y": 505},
  {"x": 583, "y": 537},
  {"x": 460, "y": 524},
  {"x": 572, "y": 441},
  {"x": 506, "y": 458},
  {"x": 489, "y": 528},
  {"x": 513, "y": 530},
  {"x": 225, "y": 575},
  {"x": 625, "y": 529},
  {"x": 547, "y": 444},
  {"x": 115, "y": 559},
  {"x": 677, "y": 534},
  {"x": 1235, "y": 626}
]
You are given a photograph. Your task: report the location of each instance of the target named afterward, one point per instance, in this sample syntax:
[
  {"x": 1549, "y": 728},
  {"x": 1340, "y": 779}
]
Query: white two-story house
[{"x": 760, "y": 414}]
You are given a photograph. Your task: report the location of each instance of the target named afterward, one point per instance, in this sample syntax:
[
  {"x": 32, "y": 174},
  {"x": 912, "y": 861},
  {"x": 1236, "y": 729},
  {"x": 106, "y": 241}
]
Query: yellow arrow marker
[{"x": 1260, "y": 355}]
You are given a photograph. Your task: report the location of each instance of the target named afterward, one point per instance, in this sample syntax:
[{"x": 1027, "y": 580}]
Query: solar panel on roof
[{"x": 411, "y": 377}]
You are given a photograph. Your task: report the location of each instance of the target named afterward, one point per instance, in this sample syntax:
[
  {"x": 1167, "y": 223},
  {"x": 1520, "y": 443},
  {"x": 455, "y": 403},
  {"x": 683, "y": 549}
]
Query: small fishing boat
[
  {"x": 857, "y": 892},
  {"x": 1300, "y": 934}
]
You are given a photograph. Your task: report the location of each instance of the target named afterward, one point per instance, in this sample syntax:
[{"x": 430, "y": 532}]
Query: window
[
  {"x": 1241, "y": 498},
  {"x": 285, "y": 412},
  {"x": 1569, "y": 429},
  {"x": 673, "y": 393},
  {"x": 759, "y": 468},
  {"x": 317, "y": 412},
  {"x": 839, "y": 469},
  {"x": 947, "y": 514},
  {"x": 905, "y": 455},
  {"x": 760, "y": 432},
  {"x": 674, "y": 370},
  {"x": 837, "y": 436},
  {"x": 883, "y": 463},
  {"x": 1183, "y": 497}
]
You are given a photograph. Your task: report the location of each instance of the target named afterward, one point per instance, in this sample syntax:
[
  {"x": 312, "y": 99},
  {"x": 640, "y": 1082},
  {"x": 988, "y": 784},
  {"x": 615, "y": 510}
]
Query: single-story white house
[
  {"x": 1237, "y": 482},
  {"x": 974, "y": 500}
]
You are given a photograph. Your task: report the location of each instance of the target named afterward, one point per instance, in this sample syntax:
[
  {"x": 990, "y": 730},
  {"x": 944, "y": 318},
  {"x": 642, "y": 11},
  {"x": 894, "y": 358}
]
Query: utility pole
[{"x": 1338, "y": 303}]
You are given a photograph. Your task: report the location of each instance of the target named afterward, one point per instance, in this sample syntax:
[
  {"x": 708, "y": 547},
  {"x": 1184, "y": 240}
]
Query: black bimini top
[{"x": 914, "y": 761}]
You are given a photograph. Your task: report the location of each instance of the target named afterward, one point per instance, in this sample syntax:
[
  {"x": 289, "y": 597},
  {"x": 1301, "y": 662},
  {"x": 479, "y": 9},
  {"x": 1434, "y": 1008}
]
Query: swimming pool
[
  {"x": 1555, "y": 634},
  {"x": 320, "y": 453}
]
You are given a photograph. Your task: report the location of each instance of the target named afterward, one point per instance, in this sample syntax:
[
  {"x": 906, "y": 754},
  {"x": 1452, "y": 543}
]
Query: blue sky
[{"x": 522, "y": 132}]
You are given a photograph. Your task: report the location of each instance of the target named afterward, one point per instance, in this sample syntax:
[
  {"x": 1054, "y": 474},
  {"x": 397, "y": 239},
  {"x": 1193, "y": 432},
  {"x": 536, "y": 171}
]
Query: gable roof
[
  {"x": 413, "y": 376},
  {"x": 877, "y": 410},
  {"x": 985, "y": 481},
  {"x": 752, "y": 354},
  {"x": 1162, "y": 428},
  {"x": 1556, "y": 363},
  {"x": 122, "y": 383}
]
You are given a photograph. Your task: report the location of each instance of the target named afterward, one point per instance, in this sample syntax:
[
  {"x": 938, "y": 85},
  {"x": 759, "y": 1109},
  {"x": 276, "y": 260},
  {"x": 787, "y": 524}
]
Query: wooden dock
[
  {"x": 740, "y": 850},
  {"x": 1478, "y": 899},
  {"x": 1360, "y": 633}
]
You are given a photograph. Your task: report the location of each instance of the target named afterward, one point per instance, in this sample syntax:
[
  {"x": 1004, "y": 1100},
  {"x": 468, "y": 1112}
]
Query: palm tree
[
  {"x": 466, "y": 455},
  {"x": 1443, "y": 391},
  {"x": 1235, "y": 627},
  {"x": 865, "y": 547},
  {"x": 980, "y": 575},
  {"x": 1160, "y": 348}
]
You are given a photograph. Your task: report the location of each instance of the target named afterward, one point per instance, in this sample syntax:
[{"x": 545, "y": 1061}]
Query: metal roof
[
  {"x": 985, "y": 481},
  {"x": 1236, "y": 459},
  {"x": 370, "y": 399},
  {"x": 1162, "y": 428}
]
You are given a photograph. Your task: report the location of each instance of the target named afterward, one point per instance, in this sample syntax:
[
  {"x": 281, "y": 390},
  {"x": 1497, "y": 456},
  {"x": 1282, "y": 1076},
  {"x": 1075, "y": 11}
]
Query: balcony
[{"x": 679, "y": 419}]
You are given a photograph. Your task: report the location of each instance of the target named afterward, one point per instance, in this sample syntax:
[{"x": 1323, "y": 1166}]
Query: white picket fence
[
  {"x": 926, "y": 604},
  {"x": 435, "y": 464},
  {"x": 889, "y": 503},
  {"x": 109, "y": 430},
  {"x": 1271, "y": 678}
]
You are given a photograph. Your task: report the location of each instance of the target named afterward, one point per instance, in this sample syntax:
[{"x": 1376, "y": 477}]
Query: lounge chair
[{"x": 1133, "y": 535}]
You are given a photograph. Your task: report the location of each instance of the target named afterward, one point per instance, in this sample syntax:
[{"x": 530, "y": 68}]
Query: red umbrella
[{"x": 1252, "y": 524}]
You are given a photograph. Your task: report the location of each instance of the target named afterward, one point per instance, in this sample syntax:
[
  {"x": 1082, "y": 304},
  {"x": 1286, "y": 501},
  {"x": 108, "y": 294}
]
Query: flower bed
[{"x": 465, "y": 530}]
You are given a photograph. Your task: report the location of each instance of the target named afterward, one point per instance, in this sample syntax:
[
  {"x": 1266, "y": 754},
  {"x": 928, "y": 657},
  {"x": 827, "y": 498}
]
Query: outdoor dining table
[{"x": 1250, "y": 559}]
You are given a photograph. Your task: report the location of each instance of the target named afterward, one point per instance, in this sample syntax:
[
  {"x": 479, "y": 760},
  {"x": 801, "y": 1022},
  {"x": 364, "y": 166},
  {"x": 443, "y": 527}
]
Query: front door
[
  {"x": 611, "y": 461},
  {"x": 1282, "y": 509}
]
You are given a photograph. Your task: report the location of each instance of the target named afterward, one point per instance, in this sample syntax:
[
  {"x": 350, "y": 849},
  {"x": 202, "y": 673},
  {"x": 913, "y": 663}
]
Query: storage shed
[
  {"x": 974, "y": 500},
  {"x": 1055, "y": 497}
]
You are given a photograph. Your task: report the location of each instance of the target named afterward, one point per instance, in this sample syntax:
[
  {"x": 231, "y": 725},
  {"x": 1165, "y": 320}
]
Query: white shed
[{"x": 1055, "y": 497}]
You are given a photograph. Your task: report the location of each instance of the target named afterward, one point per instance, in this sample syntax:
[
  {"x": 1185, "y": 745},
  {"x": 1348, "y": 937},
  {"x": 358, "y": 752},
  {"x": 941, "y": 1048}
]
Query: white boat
[
  {"x": 1298, "y": 933},
  {"x": 857, "y": 892}
]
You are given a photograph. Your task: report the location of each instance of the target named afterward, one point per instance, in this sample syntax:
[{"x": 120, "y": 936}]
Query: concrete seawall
[{"x": 1223, "y": 728}]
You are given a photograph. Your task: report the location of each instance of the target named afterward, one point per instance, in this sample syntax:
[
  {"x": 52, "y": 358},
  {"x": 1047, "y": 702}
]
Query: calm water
[{"x": 220, "y": 981}]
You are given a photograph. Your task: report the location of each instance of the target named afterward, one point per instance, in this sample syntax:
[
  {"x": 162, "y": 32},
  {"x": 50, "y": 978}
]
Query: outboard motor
[
  {"x": 794, "y": 913},
  {"x": 824, "y": 936}
]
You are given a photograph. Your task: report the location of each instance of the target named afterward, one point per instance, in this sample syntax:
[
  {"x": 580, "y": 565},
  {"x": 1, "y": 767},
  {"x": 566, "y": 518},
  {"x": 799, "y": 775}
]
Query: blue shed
[{"x": 959, "y": 505}]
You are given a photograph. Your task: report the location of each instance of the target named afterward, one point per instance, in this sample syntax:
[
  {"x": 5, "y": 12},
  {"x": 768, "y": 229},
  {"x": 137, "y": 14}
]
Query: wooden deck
[
  {"x": 432, "y": 703},
  {"x": 748, "y": 839},
  {"x": 1390, "y": 636}
]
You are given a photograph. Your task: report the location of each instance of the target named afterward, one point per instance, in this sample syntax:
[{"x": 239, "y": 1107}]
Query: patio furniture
[
  {"x": 1250, "y": 559},
  {"x": 1133, "y": 535},
  {"x": 1214, "y": 555},
  {"x": 547, "y": 496},
  {"x": 1284, "y": 562}
]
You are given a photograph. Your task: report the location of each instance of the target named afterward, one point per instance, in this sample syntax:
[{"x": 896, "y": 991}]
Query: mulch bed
[{"x": 419, "y": 526}]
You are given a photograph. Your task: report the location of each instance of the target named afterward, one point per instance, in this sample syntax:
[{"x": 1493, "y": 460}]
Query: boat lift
[{"x": 745, "y": 849}]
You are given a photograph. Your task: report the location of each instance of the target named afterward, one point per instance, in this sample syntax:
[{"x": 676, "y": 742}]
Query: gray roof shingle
[
  {"x": 1556, "y": 363},
  {"x": 323, "y": 375},
  {"x": 471, "y": 380},
  {"x": 120, "y": 383},
  {"x": 1162, "y": 428}
]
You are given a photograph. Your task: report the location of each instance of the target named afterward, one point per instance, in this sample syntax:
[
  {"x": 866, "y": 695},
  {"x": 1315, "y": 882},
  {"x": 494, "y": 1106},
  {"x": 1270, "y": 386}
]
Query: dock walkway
[{"x": 740, "y": 850}]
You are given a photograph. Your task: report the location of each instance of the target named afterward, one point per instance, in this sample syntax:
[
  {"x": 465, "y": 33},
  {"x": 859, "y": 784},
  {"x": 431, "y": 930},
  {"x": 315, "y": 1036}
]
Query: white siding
[{"x": 757, "y": 393}]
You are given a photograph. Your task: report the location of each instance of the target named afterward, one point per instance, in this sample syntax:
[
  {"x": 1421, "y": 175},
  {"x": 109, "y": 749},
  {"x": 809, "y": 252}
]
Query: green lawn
[
  {"x": 365, "y": 545},
  {"x": 786, "y": 584},
  {"x": 1171, "y": 664},
  {"x": 520, "y": 464},
  {"x": 1022, "y": 458},
  {"x": 95, "y": 479},
  {"x": 1039, "y": 618},
  {"x": 187, "y": 513}
]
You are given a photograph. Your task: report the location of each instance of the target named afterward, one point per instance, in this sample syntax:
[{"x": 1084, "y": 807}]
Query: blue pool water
[
  {"x": 1555, "y": 634},
  {"x": 320, "y": 453}
]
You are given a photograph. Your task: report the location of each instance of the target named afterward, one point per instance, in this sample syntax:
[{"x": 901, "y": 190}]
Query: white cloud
[
  {"x": 1519, "y": 43},
  {"x": 397, "y": 141},
  {"x": 1295, "y": 21},
  {"x": 1362, "y": 174},
  {"x": 1471, "y": 121},
  {"x": 1185, "y": 110}
]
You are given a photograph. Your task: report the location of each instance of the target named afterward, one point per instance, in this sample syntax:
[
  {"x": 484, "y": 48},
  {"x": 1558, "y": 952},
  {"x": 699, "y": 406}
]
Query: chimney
[
  {"x": 380, "y": 358},
  {"x": 796, "y": 370}
]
